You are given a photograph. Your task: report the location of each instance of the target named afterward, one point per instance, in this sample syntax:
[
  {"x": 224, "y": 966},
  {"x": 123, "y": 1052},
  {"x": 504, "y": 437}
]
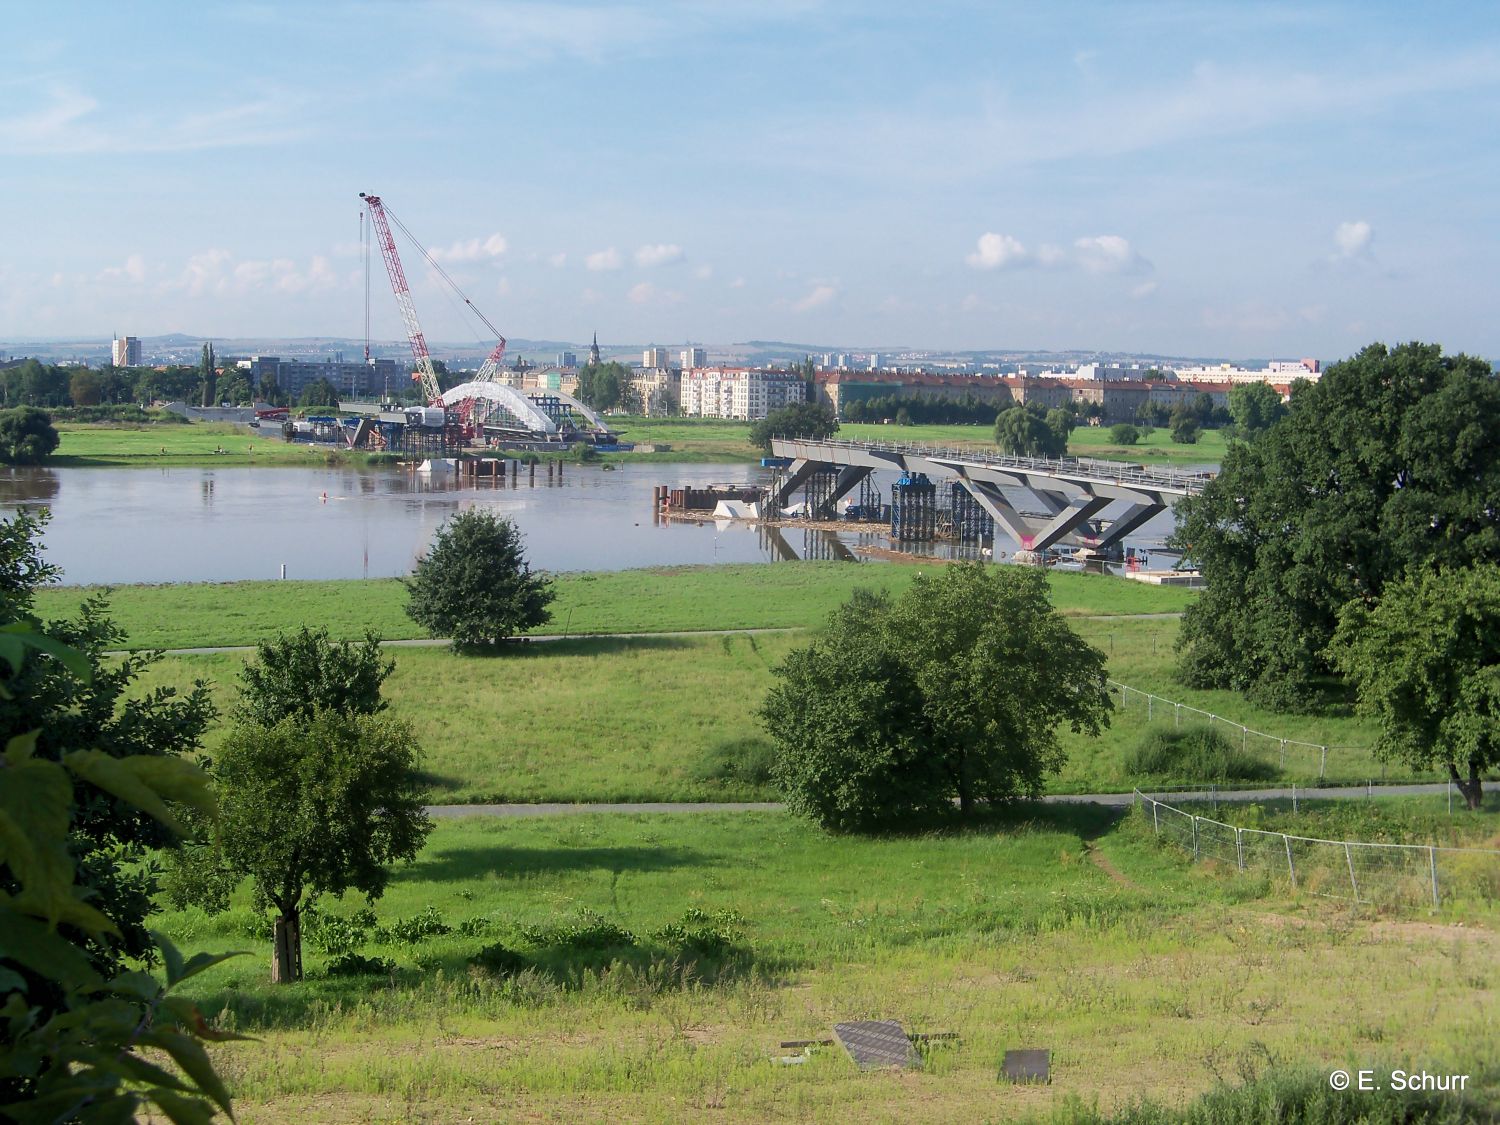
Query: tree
[
  {"x": 70, "y": 1048},
  {"x": 1023, "y": 431},
  {"x": 952, "y": 693},
  {"x": 1425, "y": 661},
  {"x": 268, "y": 390},
  {"x": 795, "y": 420},
  {"x": 1185, "y": 426},
  {"x": 319, "y": 392},
  {"x": 26, "y": 436},
  {"x": 1388, "y": 465},
  {"x": 104, "y": 712},
  {"x": 317, "y": 806},
  {"x": 301, "y": 673},
  {"x": 1255, "y": 408},
  {"x": 209, "y": 374},
  {"x": 84, "y": 388},
  {"x": 603, "y": 385},
  {"x": 1124, "y": 434},
  {"x": 475, "y": 585}
]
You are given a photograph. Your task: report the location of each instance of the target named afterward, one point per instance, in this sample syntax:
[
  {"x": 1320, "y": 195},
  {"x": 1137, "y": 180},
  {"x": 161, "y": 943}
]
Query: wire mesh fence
[
  {"x": 1377, "y": 874},
  {"x": 1310, "y": 758}
]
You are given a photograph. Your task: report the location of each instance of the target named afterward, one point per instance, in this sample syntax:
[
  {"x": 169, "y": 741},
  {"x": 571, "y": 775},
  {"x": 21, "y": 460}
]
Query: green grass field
[
  {"x": 1056, "y": 928},
  {"x": 740, "y": 596},
  {"x": 196, "y": 443}
]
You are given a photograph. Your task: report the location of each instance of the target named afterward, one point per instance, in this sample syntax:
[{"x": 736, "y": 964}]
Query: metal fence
[
  {"x": 1307, "y": 756},
  {"x": 1378, "y": 874}
]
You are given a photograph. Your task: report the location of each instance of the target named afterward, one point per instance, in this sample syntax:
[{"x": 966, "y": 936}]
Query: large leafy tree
[
  {"x": 1025, "y": 431},
  {"x": 1426, "y": 662},
  {"x": 319, "y": 392},
  {"x": 317, "y": 806},
  {"x": 1255, "y": 408},
  {"x": 1389, "y": 464},
  {"x": 603, "y": 386},
  {"x": 209, "y": 373},
  {"x": 475, "y": 585},
  {"x": 795, "y": 420},
  {"x": 26, "y": 436},
  {"x": 953, "y": 693}
]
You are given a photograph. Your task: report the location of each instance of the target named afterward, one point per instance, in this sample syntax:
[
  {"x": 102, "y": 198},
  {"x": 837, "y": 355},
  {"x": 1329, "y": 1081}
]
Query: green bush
[
  {"x": 1196, "y": 752},
  {"x": 354, "y": 965},
  {"x": 590, "y": 931},
  {"x": 334, "y": 935},
  {"x": 1124, "y": 434},
  {"x": 702, "y": 933},
  {"x": 410, "y": 931}
]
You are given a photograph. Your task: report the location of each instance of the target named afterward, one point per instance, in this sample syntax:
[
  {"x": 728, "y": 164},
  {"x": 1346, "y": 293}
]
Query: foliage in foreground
[
  {"x": 26, "y": 436},
  {"x": 72, "y": 1040},
  {"x": 475, "y": 585},
  {"x": 953, "y": 692}
]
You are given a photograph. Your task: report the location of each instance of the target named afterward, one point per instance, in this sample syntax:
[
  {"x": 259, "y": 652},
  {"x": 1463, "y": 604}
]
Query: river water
[{"x": 214, "y": 525}]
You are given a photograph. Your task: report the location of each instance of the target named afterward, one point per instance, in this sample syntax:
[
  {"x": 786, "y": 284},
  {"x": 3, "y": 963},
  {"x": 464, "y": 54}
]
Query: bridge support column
[
  {"x": 993, "y": 501},
  {"x": 1130, "y": 519},
  {"x": 1066, "y": 522},
  {"x": 795, "y": 479}
]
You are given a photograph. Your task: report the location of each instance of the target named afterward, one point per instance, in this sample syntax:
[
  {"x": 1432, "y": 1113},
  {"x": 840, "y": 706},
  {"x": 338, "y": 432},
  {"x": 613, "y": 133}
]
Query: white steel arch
[{"x": 519, "y": 404}]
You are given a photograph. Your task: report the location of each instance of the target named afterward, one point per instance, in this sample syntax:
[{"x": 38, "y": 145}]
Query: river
[{"x": 119, "y": 526}]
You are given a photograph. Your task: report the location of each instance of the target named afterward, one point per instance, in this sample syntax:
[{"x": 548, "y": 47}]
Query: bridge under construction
[{"x": 1039, "y": 502}]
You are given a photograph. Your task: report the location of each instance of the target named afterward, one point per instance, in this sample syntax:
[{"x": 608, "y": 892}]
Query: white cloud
[
  {"x": 737, "y": 283},
  {"x": 997, "y": 251},
  {"x": 1144, "y": 289},
  {"x": 1352, "y": 239},
  {"x": 703, "y": 273},
  {"x": 817, "y": 298},
  {"x": 1108, "y": 253},
  {"x": 603, "y": 260},
  {"x": 1049, "y": 255},
  {"x": 660, "y": 254},
  {"x": 558, "y": 260},
  {"x": 971, "y": 303},
  {"x": 134, "y": 269},
  {"x": 640, "y": 294},
  {"x": 473, "y": 249}
]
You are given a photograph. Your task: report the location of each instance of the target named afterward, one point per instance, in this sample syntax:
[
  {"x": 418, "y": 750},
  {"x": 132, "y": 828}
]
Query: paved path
[
  {"x": 1113, "y": 799},
  {"x": 547, "y": 638}
]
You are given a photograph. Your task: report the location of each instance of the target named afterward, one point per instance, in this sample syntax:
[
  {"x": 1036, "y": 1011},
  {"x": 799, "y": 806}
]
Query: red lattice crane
[{"x": 380, "y": 218}]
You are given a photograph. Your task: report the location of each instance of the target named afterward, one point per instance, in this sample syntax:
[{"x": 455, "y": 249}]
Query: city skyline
[{"x": 1236, "y": 180}]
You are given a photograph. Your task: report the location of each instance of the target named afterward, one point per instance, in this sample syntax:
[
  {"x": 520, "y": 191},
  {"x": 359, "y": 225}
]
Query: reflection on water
[{"x": 213, "y": 525}]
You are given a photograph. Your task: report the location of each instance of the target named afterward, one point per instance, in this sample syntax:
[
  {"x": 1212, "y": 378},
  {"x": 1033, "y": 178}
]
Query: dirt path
[{"x": 1106, "y": 865}]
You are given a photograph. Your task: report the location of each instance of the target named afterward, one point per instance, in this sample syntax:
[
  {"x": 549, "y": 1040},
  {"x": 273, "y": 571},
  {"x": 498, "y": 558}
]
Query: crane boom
[{"x": 424, "y": 372}]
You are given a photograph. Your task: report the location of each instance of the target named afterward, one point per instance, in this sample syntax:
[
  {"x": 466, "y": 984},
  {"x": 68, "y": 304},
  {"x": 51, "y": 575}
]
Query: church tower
[{"x": 594, "y": 351}]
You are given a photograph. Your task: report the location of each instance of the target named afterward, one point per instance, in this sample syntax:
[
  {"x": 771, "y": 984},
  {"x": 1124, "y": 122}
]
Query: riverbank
[{"x": 687, "y": 441}]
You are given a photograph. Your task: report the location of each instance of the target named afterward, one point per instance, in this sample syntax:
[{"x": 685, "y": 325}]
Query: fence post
[
  {"x": 1195, "y": 839},
  {"x": 1177, "y": 715},
  {"x": 1283, "y": 753},
  {"x": 1349, "y": 857},
  {"x": 1155, "y": 818},
  {"x": 1432, "y": 857},
  {"x": 1239, "y": 848},
  {"x": 1149, "y": 698},
  {"x": 1290, "y": 866},
  {"x": 1213, "y": 796},
  {"x": 1294, "y": 798},
  {"x": 1323, "y": 765},
  {"x": 1244, "y": 739}
]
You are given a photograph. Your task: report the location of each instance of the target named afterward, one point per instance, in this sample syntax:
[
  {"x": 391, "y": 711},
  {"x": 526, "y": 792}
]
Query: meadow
[
  {"x": 125, "y": 445},
  {"x": 654, "y": 600},
  {"x": 1058, "y": 928}
]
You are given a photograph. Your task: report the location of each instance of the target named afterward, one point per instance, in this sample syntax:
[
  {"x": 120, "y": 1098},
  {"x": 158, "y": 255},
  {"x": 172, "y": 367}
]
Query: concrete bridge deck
[{"x": 1074, "y": 492}]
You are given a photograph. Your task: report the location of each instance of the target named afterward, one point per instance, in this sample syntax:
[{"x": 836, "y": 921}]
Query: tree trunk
[
  {"x": 1471, "y": 787},
  {"x": 286, "y": 949}
]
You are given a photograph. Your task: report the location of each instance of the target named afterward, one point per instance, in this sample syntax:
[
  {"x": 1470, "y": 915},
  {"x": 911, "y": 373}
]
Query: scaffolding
[
  {"x": 914, "y": 509},
  {"x": 970, "y": 522},
  {"x": 817, "y": 493}
]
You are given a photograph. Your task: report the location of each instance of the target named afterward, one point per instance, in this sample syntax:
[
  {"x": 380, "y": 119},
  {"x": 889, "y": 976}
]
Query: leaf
[
  {"x": 18, "y": 636},
  {"x": 187, "y": 1015},
  {"x": 189, "y": 1054},
  {"x": 40, "y": 949},
  {"x": 138, "y": 1069},
  {"x": 35, "y": 801},
  {"x": 198, "y": 962},
  {"x": 183, "y": 1110},
  {"x": 170, "y": 956},
  {"x": 144, "y": 781}
]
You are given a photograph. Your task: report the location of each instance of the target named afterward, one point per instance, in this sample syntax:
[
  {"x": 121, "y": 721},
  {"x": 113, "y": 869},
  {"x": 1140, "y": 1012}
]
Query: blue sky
[{"x": 1245, "y": 180}]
